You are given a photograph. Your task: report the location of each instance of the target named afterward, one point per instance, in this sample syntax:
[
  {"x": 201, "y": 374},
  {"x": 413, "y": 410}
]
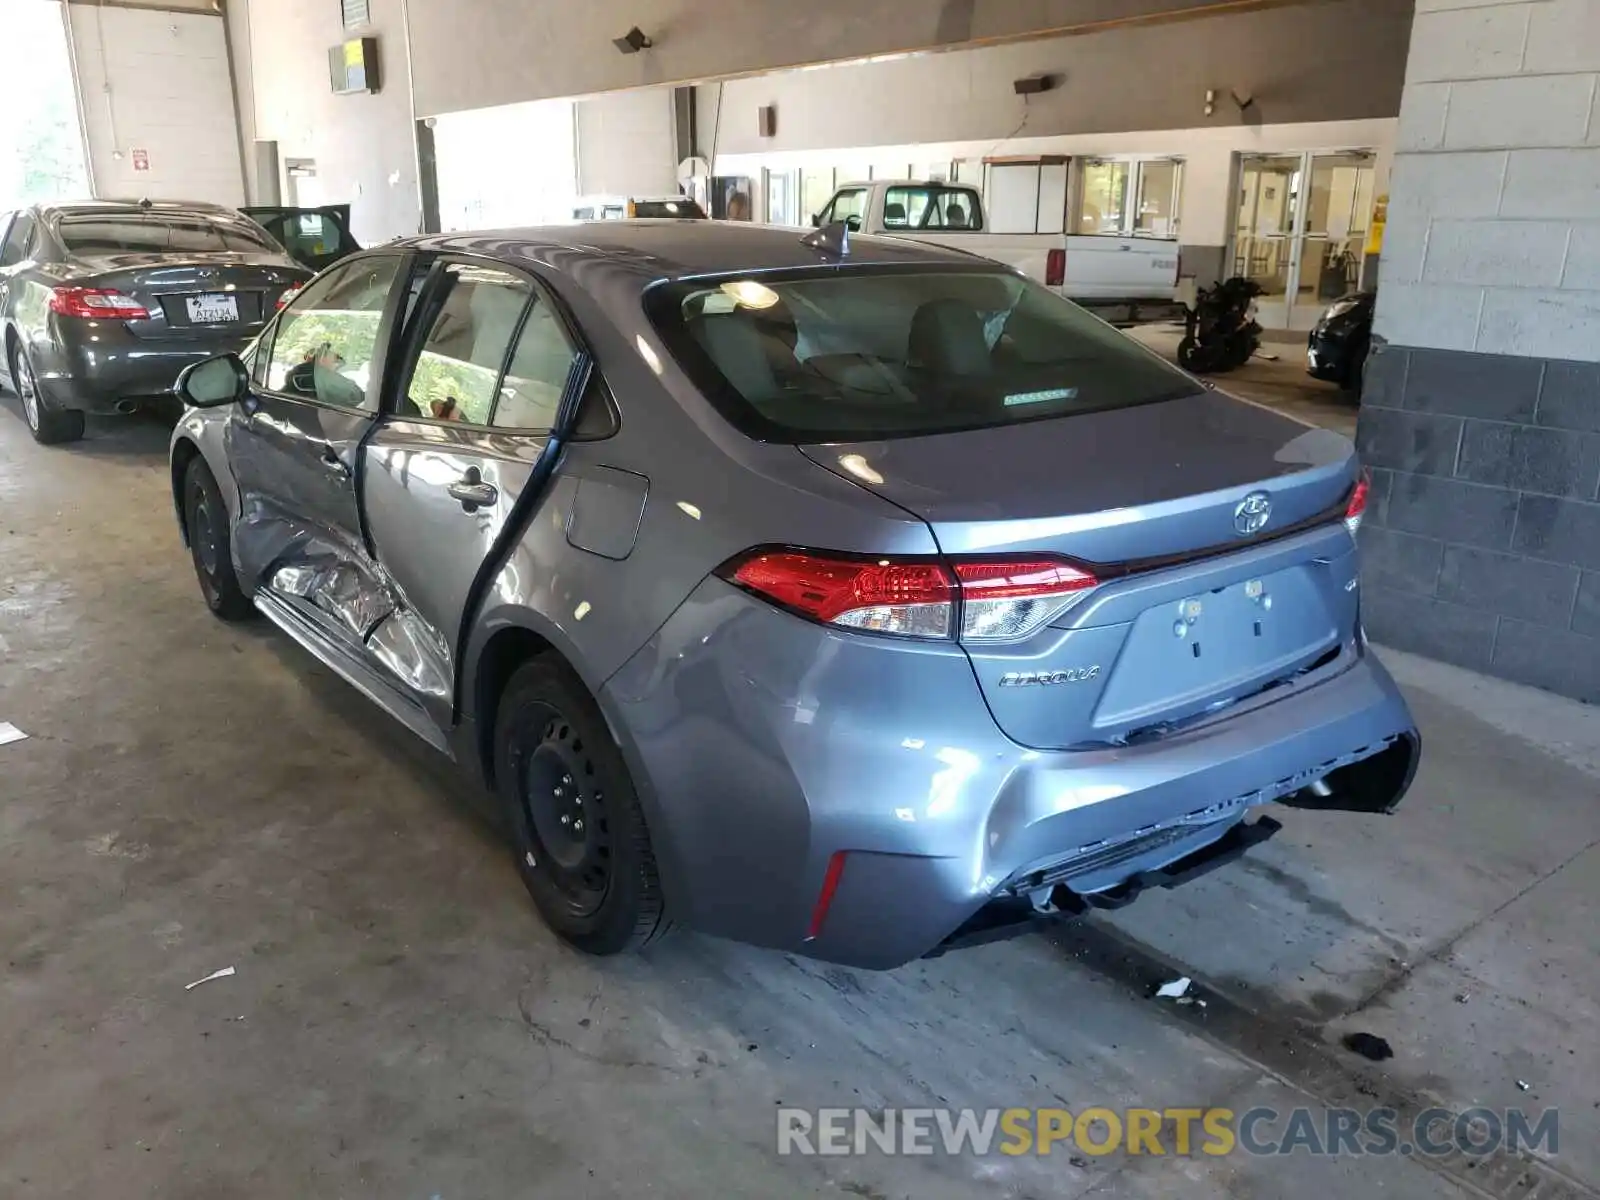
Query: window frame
[
  {"x": 1128, "y": 226},
  {"x": 420, "y": 323},
  {"x": 382, "y": 347}
]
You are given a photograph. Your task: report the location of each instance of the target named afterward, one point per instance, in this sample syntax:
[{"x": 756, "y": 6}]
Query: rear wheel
[
  {"x": 206, "y": 519},
  {"x": 48, "y": 425},
  {"x": 579, "y": 835}
]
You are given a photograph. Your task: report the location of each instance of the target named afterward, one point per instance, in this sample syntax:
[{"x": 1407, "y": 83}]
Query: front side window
[
  {"x": 941, "y": 208},
  {"x": 873, "y": 352},
  {"x": 461, "y": 358},
  {"x": 325, "y": 341}
]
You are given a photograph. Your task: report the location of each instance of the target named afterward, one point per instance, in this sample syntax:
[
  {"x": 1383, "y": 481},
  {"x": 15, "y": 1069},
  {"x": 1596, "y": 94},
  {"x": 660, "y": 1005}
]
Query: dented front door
[
  {"x": 295, "y": 444},
  {"x": 469, "y": 422}
]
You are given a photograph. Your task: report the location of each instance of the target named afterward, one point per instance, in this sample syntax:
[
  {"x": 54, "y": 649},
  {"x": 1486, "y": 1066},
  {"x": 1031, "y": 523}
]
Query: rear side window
[
  {"x": 879, "y": 352},
  {"x": 158, "y": 235},
  {"x": 460, "y": 359},
  {"x": 918, "y": 207},
  {"x": 18, "y": 242}
]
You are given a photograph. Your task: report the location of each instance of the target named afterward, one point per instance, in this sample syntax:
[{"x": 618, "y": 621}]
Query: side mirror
[
  {"x": 853, "y": 223},
  {"x": 816, "y": 220},
  {"x": 214, "y": 382}
]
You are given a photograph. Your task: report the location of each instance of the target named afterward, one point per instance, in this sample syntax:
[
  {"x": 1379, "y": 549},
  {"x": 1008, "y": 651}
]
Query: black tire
[
  {"x": 206, "y": 520},
  {"x": 577, "y": 830},
  {"x": 49, "y": 426},
  {"x": 1190, "y": 357}
]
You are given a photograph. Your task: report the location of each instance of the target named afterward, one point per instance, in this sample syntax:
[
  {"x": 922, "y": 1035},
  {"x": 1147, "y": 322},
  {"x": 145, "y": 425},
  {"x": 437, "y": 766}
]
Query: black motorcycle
[{"x": 1220, "y": 331}]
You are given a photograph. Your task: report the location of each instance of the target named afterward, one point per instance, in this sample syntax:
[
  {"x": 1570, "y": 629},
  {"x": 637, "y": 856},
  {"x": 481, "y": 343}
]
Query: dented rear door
[{"x": 464, "y": 441}]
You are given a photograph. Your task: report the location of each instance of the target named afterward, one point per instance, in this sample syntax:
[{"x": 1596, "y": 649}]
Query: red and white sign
[{"x": 141, "y": 160}]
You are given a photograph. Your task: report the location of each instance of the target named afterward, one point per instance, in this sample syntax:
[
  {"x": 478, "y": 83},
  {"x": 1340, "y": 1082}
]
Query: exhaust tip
[{"x": 127, "y": 407}]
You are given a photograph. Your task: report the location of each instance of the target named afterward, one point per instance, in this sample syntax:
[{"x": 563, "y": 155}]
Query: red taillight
[
  {"x": 96, "y": 302},
  {"x": 1055, "y": 267},
  {"x": 289, "y": 294},
  {"x": 830, "y": 885},
  {"x": 1357, "y": 508},
  {"x": 1005, "y": 599},
  {"x": 998, "y": 599},
  {"x": 914, "y": 599}
]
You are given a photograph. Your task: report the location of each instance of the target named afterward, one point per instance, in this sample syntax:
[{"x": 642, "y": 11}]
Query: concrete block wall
[{"x": 1481, "y": 413}]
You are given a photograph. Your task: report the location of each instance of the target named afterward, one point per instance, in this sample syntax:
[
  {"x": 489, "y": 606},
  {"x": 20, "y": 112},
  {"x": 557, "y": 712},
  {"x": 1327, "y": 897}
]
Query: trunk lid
[
  {"x": 1205, "y": 599},
  {"x": 194, "y": 297}
]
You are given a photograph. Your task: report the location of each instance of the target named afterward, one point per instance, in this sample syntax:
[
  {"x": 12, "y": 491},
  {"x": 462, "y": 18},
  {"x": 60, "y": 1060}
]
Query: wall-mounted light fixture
[
  {"x": 632, "y": 42},
  {"x": 1211, "y": 101}
]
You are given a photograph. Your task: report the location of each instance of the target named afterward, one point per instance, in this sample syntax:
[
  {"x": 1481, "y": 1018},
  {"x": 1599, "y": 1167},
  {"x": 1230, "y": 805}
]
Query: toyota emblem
[{"x": 1252, "y": 514}]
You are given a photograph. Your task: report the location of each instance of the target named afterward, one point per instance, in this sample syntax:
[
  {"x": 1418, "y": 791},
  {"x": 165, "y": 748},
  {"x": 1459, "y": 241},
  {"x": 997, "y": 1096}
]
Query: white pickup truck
[{"x": 1125, "y": 280}]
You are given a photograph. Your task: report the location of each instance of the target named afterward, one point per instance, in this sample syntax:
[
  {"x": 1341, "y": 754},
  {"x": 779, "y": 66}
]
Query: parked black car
[
  {"x": 103, "y": 303},
  {"x": 1341, "y": 339}
]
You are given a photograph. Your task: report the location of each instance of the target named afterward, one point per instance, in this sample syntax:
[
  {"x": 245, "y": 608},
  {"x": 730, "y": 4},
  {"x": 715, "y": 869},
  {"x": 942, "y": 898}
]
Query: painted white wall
[
  {"x": 1207, "y": 203},
  {"x": 158, "y": 82},
  {"x": 363, "y": 145},
  {"x": 1493, "y": 241},
  {"x": 625, "y": 144}
]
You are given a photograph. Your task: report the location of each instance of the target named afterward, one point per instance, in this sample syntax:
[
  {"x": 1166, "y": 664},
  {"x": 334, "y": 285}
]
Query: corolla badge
[
  {"x": 1252, "y": 514},
  {"x": 1049, "y": 678}
]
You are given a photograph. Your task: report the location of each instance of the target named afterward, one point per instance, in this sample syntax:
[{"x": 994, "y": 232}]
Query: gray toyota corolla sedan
[
  {"x": 853, "y": 597},
  {"x": 102, "y": 303}
]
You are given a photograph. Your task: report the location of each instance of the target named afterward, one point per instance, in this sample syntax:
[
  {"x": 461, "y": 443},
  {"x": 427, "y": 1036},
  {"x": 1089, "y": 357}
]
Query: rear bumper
[
  {"x": 765, "y": 746},
  {"x": 74, "y": 373}
]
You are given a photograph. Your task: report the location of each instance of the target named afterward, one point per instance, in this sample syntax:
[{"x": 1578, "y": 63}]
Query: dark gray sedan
[
  {"x": 860, "y": 599},
  {"x": 103, "y": 303}
]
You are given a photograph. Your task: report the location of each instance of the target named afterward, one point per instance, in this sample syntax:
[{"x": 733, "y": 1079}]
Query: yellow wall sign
[{"x": 1380, "y": 217}]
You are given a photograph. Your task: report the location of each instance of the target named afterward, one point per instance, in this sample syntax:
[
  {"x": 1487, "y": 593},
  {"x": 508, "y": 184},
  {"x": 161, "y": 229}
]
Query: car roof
[{"x": 673, "y": 249}]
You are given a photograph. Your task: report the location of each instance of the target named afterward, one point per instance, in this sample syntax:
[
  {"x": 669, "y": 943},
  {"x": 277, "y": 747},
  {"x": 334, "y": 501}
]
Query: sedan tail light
[
  {"x": 289, "y": 293},
  {"x": 986, "y": 599},
  {"x": 1357, "y": 508},
  {"x": 96, "y": 302}
]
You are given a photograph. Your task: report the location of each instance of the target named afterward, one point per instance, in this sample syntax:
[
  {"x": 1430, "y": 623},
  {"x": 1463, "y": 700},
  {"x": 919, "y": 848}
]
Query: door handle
[
  {"x": 473, "y": 492},
  {"x": 335, "y": 465}
]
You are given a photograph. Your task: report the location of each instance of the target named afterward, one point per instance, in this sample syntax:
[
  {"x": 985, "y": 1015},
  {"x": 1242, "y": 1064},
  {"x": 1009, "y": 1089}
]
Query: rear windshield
[
  {"x": 158, "y": 235},
  {"x": 879, "y": 352},
  {"x": 668, "y": 208}
]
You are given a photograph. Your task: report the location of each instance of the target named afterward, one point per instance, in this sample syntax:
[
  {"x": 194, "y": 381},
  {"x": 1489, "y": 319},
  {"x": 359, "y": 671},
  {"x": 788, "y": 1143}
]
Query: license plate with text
[{"x": 214, "y": 309}]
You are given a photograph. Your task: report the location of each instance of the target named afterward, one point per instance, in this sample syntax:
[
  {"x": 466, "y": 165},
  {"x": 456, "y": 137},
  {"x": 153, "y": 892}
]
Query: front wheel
[
  {"x": 206, "y": 520},
  {"x": 49, "y": 426},
  {"x": 578, "y": 832},
  {"x": 1192, "y": 357}
]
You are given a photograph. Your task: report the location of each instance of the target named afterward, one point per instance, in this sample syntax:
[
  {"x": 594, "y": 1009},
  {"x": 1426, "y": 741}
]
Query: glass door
[
  {"x": 1264, "y": 230},
  {"x": 1300, "y": 230},
  {"x": 1338, "y": 205}
]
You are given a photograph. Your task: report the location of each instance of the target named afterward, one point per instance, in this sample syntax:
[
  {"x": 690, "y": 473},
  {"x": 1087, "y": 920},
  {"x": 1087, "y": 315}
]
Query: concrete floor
[
  {"x": 194, "y": 796},
  {"x": 1276, "y": 377}
]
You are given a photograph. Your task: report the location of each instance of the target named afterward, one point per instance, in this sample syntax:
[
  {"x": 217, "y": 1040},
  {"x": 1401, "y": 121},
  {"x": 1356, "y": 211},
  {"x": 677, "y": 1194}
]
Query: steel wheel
[{"x": 567, "y": 816}]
